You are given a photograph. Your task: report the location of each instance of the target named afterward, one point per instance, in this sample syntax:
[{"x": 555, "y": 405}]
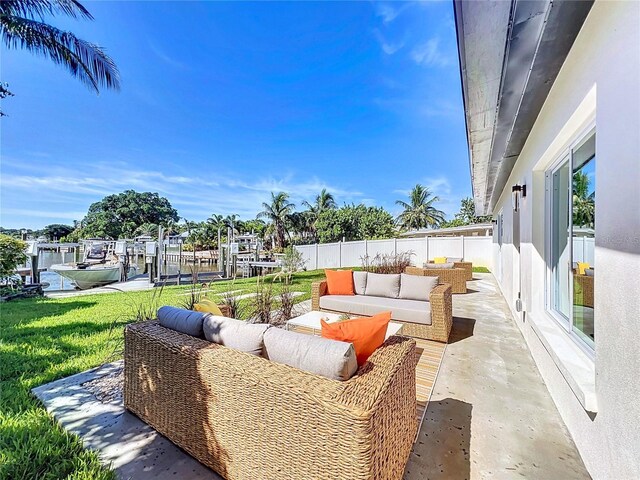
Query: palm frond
[
  {"x": 85, "y": 61},
  {"x": 41, "y": 8}
]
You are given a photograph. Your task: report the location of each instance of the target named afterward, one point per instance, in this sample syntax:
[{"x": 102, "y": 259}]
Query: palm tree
[
  {"x": 324, "y": 201},
  {"x": 216, "y": 222},
  {"x": 278, "y": 212},
  {"x": 420, "y": 212},
  {"x": 22, "y": 26},
  {"x": 584, "y": 205}
]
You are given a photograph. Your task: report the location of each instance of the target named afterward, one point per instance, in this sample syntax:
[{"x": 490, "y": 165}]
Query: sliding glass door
[{"x": 571, "y": 206}]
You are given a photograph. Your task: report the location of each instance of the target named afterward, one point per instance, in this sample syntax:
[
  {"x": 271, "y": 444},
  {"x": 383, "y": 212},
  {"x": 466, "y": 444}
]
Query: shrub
[
  {"x": 387, "y": 263},
  {"x": 12, "y": 254},
  {"x": 262, "y": 303},
  {"x": 287, "y": 308}
]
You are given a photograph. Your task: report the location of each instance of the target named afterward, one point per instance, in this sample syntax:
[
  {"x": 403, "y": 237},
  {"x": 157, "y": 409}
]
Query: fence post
[
  {"x": 395, "y": 246},
  {"x": 366, "y": 249},
  {"x": 316, "y": 266},
  {"x": 463, "y": 245},
  {"x": 426, "y": 248},
  {"x": 340, "y": 254}
]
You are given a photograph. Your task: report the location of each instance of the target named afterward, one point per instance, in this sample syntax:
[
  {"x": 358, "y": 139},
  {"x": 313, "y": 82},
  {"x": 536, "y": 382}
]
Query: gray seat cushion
[
  {"x": 416, "y": 287},
  {"x": 181, "y": 320},
  {"x": 453, "y": 259},
  {"x": 414, "y": 311},
  {"x": 360, "y": 282},
  {"x": 236, "y": 334},
  {"x": 383, "y": 285},
  {"x": 330, "y": 358},
  {"x": 439, "y": 265}
]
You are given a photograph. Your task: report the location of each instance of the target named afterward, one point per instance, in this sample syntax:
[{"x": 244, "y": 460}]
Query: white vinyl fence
[{"x": 350, "y": 254}]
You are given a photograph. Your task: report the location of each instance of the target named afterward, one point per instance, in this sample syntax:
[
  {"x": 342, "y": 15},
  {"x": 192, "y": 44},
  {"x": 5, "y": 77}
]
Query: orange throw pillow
[
  {"x": 366, "y": 334},
  {"x": 339, "y": 282}
]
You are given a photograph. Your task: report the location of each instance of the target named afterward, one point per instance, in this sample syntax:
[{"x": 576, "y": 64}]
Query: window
[{"x": 571, "y": 264}]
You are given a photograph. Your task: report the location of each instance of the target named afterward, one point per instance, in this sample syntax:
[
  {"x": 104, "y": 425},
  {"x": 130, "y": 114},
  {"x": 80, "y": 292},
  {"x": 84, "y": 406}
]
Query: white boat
[{"x": 100, "y": 267}]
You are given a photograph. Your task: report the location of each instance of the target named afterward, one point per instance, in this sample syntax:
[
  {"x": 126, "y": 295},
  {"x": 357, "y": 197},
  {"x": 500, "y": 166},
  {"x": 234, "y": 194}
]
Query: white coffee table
[{"x": 312, "y": 319}]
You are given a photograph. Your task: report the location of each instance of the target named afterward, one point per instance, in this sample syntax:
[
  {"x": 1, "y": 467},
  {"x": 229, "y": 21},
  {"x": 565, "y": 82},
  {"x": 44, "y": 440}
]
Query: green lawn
[
  {"x": 481, "y": 270},
  {"x": 45, "y": 339}
]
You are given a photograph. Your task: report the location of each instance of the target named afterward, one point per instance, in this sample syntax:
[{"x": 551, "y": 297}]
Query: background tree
[
  {"x": 257, "y": 226},
  {"x": 22, "y": 26},
  {"x": 466, "y": 215},
  {"x": 301, "y": 223},
  {"x": 118, "y": 216},
  {"x": 323, "y": 201},
  {"x": 4, "y": 93},
  {"x": 12, "y": 254},
  {"x": 354, "y": 222},
  {"x": 278, "y": 212},
  {"x": 56, "y": 231},
  {"x": 420, "y": 212}
]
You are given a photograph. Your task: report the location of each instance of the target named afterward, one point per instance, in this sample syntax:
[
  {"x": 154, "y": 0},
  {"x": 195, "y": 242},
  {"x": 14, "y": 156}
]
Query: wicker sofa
[
  {"x": 456, "y": 277},
  {"x": 249, "y": 418},
  {"x": 440, "y": 307},
  {"x": 466, "y": 266}
]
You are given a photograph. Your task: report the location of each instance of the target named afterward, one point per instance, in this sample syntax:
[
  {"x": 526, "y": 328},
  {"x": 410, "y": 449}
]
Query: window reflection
[{"x": 583, "y": 235}]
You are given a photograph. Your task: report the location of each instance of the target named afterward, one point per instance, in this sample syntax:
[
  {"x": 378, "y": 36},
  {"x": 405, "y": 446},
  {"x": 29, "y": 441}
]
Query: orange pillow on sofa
[
  {"x": 366, "y": 334},
  {"x": 339, "y": 282}
]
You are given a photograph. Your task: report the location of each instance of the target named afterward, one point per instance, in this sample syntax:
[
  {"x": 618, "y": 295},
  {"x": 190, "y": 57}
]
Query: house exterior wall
[{"x": 599, "y": 81}]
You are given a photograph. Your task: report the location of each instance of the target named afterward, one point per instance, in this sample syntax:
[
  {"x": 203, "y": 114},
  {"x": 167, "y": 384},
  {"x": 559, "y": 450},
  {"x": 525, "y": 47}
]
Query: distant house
[
  {"x": 476, "y": 230},
  {"x": 552, "y": 104}
]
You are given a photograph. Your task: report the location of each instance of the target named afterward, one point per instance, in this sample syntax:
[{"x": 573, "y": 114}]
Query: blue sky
[{"x": 222, "y": 103}]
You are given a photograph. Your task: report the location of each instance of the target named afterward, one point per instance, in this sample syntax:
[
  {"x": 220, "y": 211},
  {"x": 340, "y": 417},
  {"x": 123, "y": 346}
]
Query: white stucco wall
[{"x": 601, "y": 78}]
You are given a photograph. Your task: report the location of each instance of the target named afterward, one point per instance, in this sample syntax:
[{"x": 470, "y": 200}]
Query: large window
[{"x": 572, "y": 190}]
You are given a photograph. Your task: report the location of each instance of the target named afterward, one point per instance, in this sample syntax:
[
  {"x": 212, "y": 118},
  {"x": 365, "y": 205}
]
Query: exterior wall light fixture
[{"x": 517, "y": 192}]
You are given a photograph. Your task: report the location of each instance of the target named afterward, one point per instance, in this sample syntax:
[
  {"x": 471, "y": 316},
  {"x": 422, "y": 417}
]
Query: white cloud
[
  {"x": 389, "y": 13},
  {"x": 25, "y": 212},
  {"x": 386, "y": 46},
  {"x": 64, "y": 192},
  {"x": 429, "y": 54},
  {"x": 158, "y": 52}
]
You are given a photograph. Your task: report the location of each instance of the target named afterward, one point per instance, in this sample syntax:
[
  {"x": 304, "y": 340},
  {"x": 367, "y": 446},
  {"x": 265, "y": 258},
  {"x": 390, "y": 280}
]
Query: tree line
[{"x": 131, "y": 214}]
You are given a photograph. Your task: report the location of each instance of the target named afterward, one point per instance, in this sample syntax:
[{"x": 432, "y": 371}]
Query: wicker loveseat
[
  {"x": 456, "y": 277},
  {"x": 249, "y": 418},
  {"x": 466, "y": 266},
  {"x": 440, "y": 307}
]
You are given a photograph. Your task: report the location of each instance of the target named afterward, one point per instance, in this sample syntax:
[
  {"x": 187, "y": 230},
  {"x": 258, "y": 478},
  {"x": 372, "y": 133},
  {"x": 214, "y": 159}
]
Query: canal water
[{"x": 56, "y": 282}]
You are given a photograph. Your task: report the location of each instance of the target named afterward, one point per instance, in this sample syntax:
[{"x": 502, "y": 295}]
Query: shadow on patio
[{"x": 490, "y": 414}]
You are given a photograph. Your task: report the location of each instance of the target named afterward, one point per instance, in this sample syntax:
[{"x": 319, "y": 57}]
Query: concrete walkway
[{"x": 490, "y": 414}]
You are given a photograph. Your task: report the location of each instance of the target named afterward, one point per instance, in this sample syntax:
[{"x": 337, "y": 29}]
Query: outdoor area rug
[{"x": 430, "y": 357}]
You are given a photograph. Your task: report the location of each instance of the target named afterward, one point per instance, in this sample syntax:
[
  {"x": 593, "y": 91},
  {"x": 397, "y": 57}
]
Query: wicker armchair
[
  {"x": 248, "y": 418},
  {"x": 456, "y": 277},
  {"x": 583, "y": 290},
  {"x": 441, "y": 313},
  {"x": 467, "y": 266}
]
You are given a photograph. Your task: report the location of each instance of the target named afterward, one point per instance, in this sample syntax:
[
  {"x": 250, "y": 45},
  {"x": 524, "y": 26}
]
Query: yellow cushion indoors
[
  {"x": 582, "y": 268},
  {"x": 440, "y": 260}
]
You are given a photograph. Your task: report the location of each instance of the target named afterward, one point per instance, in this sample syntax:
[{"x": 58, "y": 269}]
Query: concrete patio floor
[{"x": 490, "y": 414}]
